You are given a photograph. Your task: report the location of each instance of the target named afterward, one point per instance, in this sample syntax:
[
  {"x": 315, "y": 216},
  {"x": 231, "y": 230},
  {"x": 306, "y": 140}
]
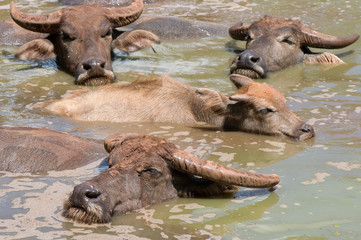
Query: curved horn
[
  {"x": 123, "y": 16},
  {"x": 315, "y": 39},
  {"x": 187, "y": 162},
  {"x": 113, "y": 140},
  {"x": 238, "y": 31},
  {"x": 44, "y": 23}
]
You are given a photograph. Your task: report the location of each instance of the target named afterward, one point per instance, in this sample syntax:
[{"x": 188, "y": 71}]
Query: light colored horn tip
[
  {"x": 12, "y": 6},
  {"x": 276, "y": 178}
]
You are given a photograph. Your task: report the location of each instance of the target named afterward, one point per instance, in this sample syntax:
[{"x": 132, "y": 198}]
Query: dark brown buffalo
[
  {"x": 273, "y": 44},
  {"x": 145, "y": 170},
  {"x": 255, "y": 108},
  {"x": 82, "y": 37},
  {"x": 24, "y": 149}
]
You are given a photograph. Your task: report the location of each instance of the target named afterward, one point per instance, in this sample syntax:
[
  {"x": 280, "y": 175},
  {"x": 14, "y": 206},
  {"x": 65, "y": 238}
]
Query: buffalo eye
[
  {"x": 151, "y": 171},
  {"x": 288, "y": 41},
  {"x": 266, "y": 111},
  {"x": 108, "y": 33},
  {"x": 66, "y": 37}
]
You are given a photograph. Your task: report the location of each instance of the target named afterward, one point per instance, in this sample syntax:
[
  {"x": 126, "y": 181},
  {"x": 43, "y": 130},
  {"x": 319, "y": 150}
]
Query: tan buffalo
[{"x": 255, "y": 107}]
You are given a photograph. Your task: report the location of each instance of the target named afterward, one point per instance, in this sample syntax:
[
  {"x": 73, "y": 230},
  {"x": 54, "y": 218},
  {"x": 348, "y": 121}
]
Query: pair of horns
[
  {"x": 188, "y": 163},
  {"x": 310, "y": 37},
  {"x": 49, "y": 23}
]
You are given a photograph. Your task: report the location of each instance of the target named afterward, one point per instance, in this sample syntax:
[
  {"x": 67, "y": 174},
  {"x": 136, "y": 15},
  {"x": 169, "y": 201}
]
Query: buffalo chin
[
  {"x": 302, "y": 137},
  {"x": 248, "y": 73},
  {"x": 81, "y": 215},
  {"x": 305, "y": 136},
  {"x": 95, "y": 81},
  {"x": 102, "y": 78}
]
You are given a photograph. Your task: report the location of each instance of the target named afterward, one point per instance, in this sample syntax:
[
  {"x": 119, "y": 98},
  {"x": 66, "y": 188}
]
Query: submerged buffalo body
[
  {"x": 108, "y": 3},
  {"x": 255, "y": 108},
  {"x": 24, "y": 149},
  {"x": 82, "y": 38},
  {"x": 173, "y": 28},
  {"x": 145, "y": 170},
  {"x": 276, "y": 43},
  {"x": 14, "y": 35}
]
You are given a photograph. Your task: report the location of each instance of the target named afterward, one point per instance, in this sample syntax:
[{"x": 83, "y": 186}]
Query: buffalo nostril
[
  {"x": 83, "y": 194},
  {"x": 93, "y": 64},
  {"x": 306, "y": 128},
  {"x": 87, "y": 66},
  {"x": 92, "y": 193},
  {"x": 255, "y": 59}
]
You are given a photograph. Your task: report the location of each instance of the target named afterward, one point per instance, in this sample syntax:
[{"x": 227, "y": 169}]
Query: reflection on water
[{"x": 320, "y": 189}]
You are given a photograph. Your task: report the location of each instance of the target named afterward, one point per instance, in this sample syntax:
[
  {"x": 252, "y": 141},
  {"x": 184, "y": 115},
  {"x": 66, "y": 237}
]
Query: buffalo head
[
  {"x": 276, "y": 43},
  {"x": 81, "y": 37},
  {"x": 145, "y": 170},
  {"x": 257, "y": 108}
]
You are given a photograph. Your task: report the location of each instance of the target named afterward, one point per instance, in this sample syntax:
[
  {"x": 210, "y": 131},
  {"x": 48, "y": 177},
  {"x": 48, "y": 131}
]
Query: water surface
[{"x": 320, "y": 191}]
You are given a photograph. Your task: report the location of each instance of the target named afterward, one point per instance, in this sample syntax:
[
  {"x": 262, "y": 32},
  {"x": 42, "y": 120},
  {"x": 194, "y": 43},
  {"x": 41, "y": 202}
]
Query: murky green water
[{"x": 319, "y": 196}]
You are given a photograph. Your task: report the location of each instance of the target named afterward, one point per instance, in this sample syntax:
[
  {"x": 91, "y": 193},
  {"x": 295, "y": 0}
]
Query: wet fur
[
  {"x": 143, "y": 171},
  {"x": 24, "y": 149},
  {"x": 162, "y": 99}
]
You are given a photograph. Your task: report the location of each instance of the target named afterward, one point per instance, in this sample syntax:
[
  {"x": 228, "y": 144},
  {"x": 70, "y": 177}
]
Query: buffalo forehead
[
  {"x": 142, "y": 148},
  {"x": 84, "y": 17},
  {"x": 269, "y": 24},
  {"x": 267, "y": 93}
]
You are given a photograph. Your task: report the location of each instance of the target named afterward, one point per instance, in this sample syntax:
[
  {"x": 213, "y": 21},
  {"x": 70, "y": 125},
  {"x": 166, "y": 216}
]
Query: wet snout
[
  {"x": 250, "y": 64},
  {"x": 83, "y": 195},
  {"x": 94, "y": 65},
  {"x": 305, "y": 131},
  {"x": 87, "y": 204},
  {"x": 94, "y": 72}
]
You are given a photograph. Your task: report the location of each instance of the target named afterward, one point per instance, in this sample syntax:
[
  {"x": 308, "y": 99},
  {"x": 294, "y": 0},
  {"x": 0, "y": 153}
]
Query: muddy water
[{"x": 320, "y": 192}]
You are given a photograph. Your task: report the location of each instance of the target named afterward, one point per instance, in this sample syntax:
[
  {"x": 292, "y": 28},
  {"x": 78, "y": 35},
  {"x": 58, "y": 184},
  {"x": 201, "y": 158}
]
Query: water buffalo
[
  {"x": 24, "y": 149},
  {"x": 256, "y": 107},
  {"x": 82, "y": 37},
  {"x": 276, "y": 43},
  {"x": 144, "y": 170}
]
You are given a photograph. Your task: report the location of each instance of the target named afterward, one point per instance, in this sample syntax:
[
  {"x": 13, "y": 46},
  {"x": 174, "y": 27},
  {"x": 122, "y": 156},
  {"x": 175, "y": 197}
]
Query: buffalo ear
[
  {"x": 240, "y": 80},
  {"x": 114, "y": 140},
  {"x": 238, "y": 31},
  {"x": 135, "y": 40},
  {"x": 38, "y": 49},
  {"x": 240, "y": 98},
  {"x": 213, "y": 100},
  {"x": 322, "y": 58}
]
